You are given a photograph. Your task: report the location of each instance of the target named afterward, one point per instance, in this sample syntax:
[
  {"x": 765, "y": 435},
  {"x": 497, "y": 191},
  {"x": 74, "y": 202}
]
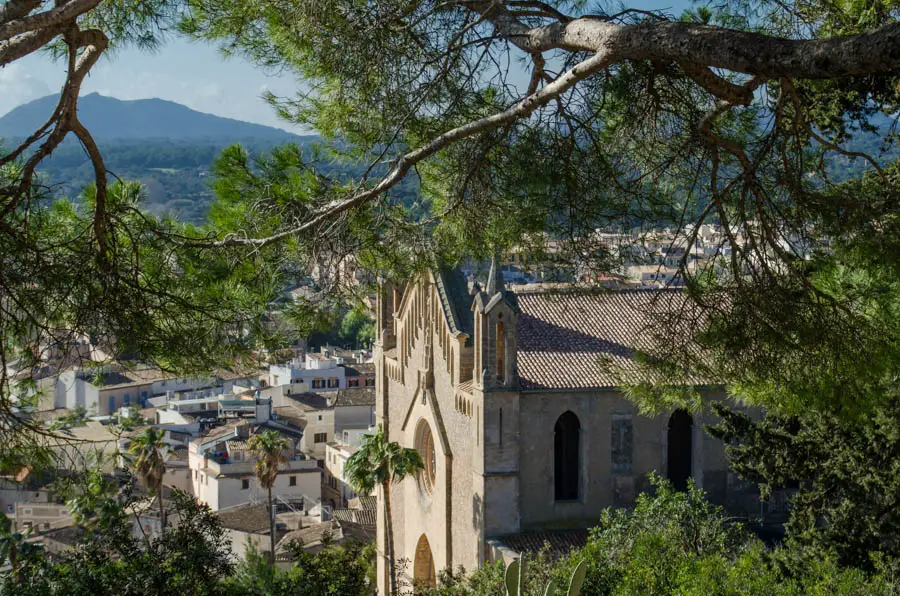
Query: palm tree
[
  {"x": 268, "y": 448},
  {"x": 150, "y": 452},
  {"x": 378, "y": 462}
]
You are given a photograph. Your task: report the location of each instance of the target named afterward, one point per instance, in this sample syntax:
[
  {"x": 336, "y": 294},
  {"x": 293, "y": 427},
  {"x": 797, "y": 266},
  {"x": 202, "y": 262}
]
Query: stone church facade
[{"x": 510, "y": 399}]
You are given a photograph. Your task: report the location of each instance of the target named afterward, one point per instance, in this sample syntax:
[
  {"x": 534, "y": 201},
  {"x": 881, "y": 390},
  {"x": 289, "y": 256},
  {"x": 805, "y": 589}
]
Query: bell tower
[{"x": 496, "y": 313}]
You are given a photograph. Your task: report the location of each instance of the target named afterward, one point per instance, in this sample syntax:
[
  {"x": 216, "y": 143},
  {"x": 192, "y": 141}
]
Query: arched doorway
[
  {"x": 680, "y": 449},
  {"x": 424, "y": 575},
  {"x": 566, "y": 460}
]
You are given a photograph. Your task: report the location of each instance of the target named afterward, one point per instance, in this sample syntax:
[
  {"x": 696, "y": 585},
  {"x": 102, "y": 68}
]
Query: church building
[{"x": 511, "y": 398}]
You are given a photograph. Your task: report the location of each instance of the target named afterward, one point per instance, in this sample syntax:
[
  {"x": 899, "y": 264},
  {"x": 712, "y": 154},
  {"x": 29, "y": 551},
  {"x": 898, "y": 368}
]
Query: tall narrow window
[
  {"x": 680, "y": 448},
  {"x": 566, "y": 443},
  {"x": 501, "y": 370}
]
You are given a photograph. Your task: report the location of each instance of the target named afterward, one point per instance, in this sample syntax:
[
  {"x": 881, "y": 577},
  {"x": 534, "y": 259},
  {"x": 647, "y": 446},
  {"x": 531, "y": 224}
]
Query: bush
[{"x": 678, "y": 543}]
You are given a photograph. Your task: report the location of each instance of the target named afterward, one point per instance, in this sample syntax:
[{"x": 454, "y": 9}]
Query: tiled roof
[
  {"x": 559, "y": 543},
  {"x": 309, "y": 401},
  {"x": 355, "y": 397},
  {"x": 368, "y": 503},
  {"x": 357, "y": 370},
  {"x": 570, "y": 340},
  {"x": 292, "y": 415},
  {"x": 362, "y": 517},
  {"x": 453, "y": 290},
  {"x": 308, "y": 536},
  {"x": 246, "y": 518},
  {"x": 67, "y": 535},
  {"x": 220, "y": 431}
]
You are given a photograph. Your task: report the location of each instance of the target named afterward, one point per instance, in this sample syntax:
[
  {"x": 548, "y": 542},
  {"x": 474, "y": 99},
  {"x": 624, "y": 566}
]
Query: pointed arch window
[{"x": 566, "y": 451}]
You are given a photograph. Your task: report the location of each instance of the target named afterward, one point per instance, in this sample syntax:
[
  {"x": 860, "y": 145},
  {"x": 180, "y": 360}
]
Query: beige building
[{"x": 512, "y": 400}]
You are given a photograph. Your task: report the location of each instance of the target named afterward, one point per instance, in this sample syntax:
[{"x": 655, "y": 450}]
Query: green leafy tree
[
  {"x": 268, "y": 448},
  {"x": 675, "y": 542},
  {"x": 843, "y": 476},
  {"x": 333, "y": 571},
  {"x": 150, "y": 452},
  {"x": 645, "y": 118},
  {"x": 190, "y": 559},
  {"x": 725, "y": 114},
  {"x": 93, "y": 499},
  {"x": 379, "y": 463},
  {"x": 357, "y": 328}
]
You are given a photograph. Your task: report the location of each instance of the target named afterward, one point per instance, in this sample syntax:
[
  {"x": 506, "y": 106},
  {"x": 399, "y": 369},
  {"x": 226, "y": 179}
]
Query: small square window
[
  {"x": 292, "y": 481},
  {"x": 245, "y": 484}
]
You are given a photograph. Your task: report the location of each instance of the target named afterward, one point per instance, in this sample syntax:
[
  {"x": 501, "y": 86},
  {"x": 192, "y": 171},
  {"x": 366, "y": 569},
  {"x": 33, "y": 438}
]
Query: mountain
[
  {"x": 109, "y": 118},
  {"x": 168, "y": 147}
]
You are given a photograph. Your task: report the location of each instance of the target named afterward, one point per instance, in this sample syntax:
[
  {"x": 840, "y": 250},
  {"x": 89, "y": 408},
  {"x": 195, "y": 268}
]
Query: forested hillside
[
  {"x": 173, "y": 172},
  {"x": 168, "y": 147}
]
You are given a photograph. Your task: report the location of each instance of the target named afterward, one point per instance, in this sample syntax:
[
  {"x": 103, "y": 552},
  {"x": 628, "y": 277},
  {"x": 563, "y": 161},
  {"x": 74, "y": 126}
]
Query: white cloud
[{"x": 19, "y": 85}]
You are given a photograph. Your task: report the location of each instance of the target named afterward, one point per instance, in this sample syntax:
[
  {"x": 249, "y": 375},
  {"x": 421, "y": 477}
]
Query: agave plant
[{"x": 515, "y": 580}]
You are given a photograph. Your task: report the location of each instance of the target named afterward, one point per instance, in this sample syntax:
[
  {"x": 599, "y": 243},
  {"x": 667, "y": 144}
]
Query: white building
[
  {"x": 107, "y": 390},
  {"x": 223, "y": 474},
  {"x": 319, "y": 371},
  {"x": 336, "y": 455}
]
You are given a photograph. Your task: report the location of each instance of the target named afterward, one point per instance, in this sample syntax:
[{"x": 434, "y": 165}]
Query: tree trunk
[
  {"x": 271, "y": 529},
  {"x": 389, "y": 539},
  {"x": 162, "y": 511}
]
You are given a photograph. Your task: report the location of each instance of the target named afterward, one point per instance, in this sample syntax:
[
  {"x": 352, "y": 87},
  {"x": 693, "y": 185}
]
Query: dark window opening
[
  {"x": 680, "y": 448},
  {"x": 566, "y": 443}
]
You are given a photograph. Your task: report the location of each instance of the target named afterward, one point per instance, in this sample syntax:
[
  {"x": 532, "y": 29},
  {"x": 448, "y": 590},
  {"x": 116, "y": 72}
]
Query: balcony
[{"x": 219, "y": 465}]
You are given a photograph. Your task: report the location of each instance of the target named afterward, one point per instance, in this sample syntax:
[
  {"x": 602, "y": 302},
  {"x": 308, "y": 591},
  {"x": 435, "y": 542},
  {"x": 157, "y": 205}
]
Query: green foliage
[
  {"x": 150, "y": 451},
  {"x": 345, "y": 570},
  {"x": 77, "y": 417},
  {"x": 268, "y": 448},
  {"x": 357, "y": 328},
  {"x": 94, "y": 500},
  {"x": 677, "y": 543},
  {"x": 378, "y": 462},
  {"x": 514, "y": 580},
  {"x": 132, "y": 420},
  {"x": 189, "y": 559},
  {"x": 844, "y": 473}
]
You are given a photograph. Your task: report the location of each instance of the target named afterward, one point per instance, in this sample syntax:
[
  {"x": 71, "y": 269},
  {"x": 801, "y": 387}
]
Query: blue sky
[{"x": 189, "y": 73}]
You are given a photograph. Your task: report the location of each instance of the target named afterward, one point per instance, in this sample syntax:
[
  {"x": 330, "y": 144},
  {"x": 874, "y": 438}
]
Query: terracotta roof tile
[
  {"x": 366, "y": 502},
  {"x": 362, "y": 396},
  {"x": 558, "y": 542},
  {"x": 570, "y": 340},
  {"x": 356, "y": 370},
  {"x": 245, "y": 518},
  {"x": 362, "y": 517}
]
